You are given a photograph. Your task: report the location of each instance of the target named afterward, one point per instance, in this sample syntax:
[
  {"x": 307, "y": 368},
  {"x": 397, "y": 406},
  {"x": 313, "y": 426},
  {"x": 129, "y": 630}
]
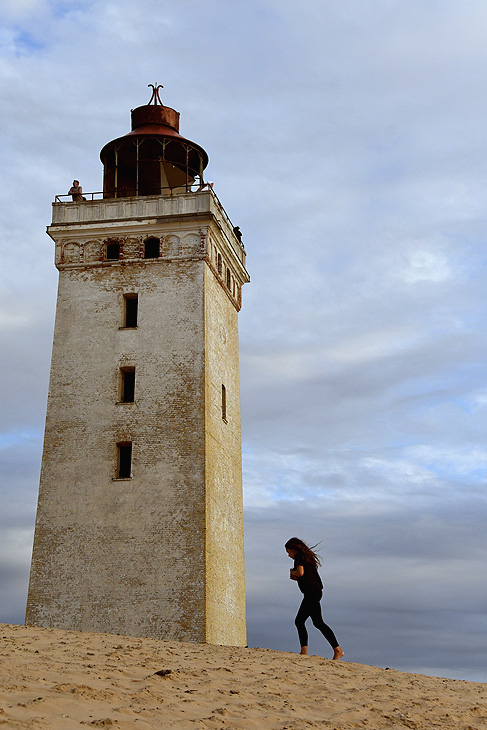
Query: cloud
[{"x": 16, "y": 10}]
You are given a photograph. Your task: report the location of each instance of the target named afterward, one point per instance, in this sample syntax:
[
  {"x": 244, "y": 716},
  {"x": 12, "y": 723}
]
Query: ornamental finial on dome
[{"x": 155, "y": 94}]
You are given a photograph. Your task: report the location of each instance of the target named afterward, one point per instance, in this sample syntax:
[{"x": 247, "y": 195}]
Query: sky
[{"x": 348, "y": 141}]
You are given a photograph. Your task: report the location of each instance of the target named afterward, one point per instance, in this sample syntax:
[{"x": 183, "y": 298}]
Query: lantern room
[{"x": 152, "y": 159}]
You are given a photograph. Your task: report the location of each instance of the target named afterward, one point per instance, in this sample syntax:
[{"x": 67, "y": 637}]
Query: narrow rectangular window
[
  {"x": 124, "y": 460},
  {"x": 130, "y": 309},
  {"x": 127, "y": 385},
  {"x": 224, "y": 403}
]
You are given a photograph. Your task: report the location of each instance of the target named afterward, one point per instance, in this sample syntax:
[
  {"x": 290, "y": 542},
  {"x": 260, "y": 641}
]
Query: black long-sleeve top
[{"x": 310, "y": 581}]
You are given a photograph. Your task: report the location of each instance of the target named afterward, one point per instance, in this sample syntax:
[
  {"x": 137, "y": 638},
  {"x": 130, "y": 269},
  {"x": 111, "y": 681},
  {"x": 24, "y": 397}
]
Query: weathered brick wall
[{"x": 124, "y": 556}]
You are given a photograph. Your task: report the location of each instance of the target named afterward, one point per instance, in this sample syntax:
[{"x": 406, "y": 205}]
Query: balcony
[{"x": 95, "y": 210}]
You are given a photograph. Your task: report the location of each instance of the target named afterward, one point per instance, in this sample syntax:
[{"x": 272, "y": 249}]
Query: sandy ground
[{"x": 58, "y": 680}]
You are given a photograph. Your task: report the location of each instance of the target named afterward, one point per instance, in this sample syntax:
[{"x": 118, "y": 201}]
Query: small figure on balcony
[{"x": 76, "y": 191}]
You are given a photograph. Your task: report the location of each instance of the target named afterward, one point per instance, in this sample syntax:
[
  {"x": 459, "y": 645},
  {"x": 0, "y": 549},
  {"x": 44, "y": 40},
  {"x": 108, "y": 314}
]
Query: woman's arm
[{"x": 296, "y": 573}]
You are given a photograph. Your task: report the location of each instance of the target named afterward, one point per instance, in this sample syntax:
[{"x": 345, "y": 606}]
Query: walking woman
[{"x": 305, "y": 572}]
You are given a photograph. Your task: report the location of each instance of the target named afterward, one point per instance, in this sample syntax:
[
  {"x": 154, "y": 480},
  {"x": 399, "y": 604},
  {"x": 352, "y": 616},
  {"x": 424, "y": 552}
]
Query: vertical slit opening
[{"x": 224, "y": 403}]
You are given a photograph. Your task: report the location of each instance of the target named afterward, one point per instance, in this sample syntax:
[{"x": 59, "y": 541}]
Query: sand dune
[{"x": 58, "y": 680}]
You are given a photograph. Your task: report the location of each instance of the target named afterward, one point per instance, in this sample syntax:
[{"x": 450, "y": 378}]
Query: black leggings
[{"x": 310, "y": 608}]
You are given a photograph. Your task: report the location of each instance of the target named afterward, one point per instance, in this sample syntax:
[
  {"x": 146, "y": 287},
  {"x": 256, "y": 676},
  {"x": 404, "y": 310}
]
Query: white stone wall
[
  {"x": 225, "y": 568},
  {"x": 159, "y": 554}
]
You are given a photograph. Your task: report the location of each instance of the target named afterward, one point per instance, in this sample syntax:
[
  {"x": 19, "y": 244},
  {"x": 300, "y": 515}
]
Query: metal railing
[
  {"x": 85, "y": 197},
  {"x": 176, "y": 190}
]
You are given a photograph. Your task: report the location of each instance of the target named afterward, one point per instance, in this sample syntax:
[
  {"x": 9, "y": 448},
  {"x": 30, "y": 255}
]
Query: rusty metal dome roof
[{"x": 156, "y": 120}]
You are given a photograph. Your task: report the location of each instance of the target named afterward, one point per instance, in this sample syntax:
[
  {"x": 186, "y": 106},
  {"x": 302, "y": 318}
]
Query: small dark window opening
[
  {"x": 130, "y": 304},
  {"x": 219, "y": 263},
  {"x": 124, "y": 460},
  {"x": 127, "y": 385},
  {"x": 113, "y": 251},
  {"x": 151, "y": 248},
  {"x": 229, "y": 279},
  {"x": 224, "y": 403}
]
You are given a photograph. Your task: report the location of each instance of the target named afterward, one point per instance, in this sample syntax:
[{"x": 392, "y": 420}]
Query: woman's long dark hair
[{"x": 306, "y": 553}]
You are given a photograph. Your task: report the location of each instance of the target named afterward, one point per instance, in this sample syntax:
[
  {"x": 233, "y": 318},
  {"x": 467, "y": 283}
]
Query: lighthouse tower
[{"x": 139, "y": 520}]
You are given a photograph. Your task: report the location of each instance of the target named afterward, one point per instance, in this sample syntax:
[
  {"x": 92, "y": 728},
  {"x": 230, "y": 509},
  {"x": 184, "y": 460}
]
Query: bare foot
[
  {"x": 338, "y": 653},
  {"x": 304, "y": 651}
]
